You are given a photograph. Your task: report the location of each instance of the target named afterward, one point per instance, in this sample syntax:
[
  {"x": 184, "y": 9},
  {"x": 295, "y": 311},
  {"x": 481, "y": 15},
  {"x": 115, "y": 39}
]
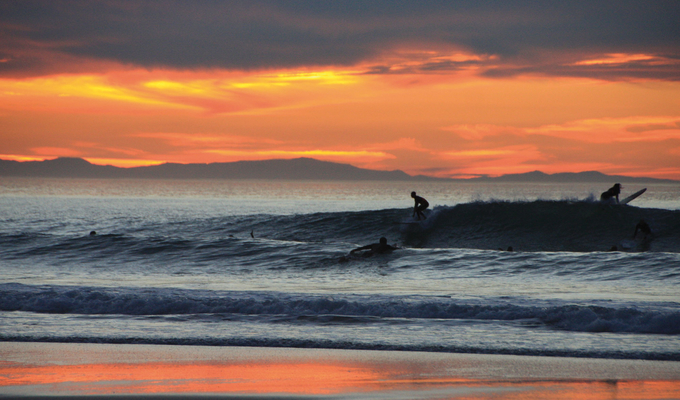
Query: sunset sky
[{"x": 442, "y": 88}]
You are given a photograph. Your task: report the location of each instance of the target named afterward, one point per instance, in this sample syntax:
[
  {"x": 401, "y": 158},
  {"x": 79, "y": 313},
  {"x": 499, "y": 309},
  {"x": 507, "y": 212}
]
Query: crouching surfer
[
  {"x": 420, "y": 206},
  {"x": 612, "y": 194}
]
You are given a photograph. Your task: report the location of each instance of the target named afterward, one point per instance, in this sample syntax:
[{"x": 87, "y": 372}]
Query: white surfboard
[{"x": 632, "y": 196}]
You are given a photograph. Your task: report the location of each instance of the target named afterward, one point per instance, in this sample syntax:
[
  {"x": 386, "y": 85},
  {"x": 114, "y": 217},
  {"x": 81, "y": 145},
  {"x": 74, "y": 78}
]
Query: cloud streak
[{"x": 609, "y": 145}]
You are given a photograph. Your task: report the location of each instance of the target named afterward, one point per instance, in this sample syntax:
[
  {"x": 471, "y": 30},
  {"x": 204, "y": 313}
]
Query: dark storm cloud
[{"x": 272, "y": 34}]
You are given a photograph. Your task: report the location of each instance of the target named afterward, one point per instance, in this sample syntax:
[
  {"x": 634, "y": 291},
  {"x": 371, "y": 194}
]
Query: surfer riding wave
[{"x": 420, "y": 205}]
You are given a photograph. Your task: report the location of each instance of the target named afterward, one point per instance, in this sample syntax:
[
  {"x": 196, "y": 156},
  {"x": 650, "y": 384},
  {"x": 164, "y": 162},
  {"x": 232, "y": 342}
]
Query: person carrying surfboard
[
  {"x": 611, "y": 193},
  {"x": 420, "y": 206}
]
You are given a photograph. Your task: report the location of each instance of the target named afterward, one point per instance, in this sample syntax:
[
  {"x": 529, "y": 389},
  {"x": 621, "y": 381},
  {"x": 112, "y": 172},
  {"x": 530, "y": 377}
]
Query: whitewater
[{"x": 266, "y": 263}]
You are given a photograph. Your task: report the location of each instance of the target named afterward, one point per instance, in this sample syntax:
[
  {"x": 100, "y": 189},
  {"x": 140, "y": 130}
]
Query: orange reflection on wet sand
[
  {"x": 298, "y": 378},
  {"x": 38, "y": 369},
  {"x": 588, "y": 390},
  {"x": 316, "y": 378}
]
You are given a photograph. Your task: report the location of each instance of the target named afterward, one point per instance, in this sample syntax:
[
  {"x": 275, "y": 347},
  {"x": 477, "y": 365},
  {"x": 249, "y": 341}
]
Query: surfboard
[{"x": 632, "y": 196}]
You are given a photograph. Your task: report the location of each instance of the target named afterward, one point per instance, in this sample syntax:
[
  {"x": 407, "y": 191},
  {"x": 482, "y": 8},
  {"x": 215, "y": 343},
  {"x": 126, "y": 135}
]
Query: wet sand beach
[{"x": 46, "y": 370}]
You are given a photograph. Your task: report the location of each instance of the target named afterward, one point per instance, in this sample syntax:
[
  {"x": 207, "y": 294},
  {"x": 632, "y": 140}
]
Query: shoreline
[
  {"x": 35, "y": 370},
  {"x": 303, "y": 345}
]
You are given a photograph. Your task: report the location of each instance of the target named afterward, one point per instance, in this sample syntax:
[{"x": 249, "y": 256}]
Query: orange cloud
[
  {"x": 411, "y": 144},
  {"x": 479, "y": 131},
  {"x": 607, "y": 130},
  {"x": 208, "y": 141},
  {"x": 124, "y": 163},
  {"x": 14, "y": 157},
  {"x": 325, "y": 154},
  {"x": 604, "y": 144},
  {"x": 216, "y": 92},
  {"x": 56, "y": 151},
  {"x": 622, "y": 58},
  {"x": 79, "y": 86}
]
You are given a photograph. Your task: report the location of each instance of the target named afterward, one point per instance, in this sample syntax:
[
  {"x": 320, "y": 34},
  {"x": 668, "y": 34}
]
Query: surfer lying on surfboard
[
  {"x": 375, "y": 248},
  {"x": 420, "y": 206}
]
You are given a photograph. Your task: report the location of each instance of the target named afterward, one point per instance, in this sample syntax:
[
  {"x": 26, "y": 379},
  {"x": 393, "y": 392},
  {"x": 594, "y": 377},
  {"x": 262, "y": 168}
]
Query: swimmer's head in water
[{"x": 383, "y": 240}]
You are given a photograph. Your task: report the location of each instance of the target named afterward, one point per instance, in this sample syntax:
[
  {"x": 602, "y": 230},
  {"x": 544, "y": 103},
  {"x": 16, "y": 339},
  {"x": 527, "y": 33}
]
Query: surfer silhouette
[
  {"x": 375, "y": 248},
  {"x": 643, "y": 227},
  {"x": 421, "y": 204},
  {"x": 611, "y": 194}
]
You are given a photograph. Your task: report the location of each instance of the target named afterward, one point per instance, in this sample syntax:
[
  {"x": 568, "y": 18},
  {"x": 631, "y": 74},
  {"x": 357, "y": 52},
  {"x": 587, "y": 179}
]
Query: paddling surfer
[
  {"x": 420, "y": 205},
  {"x": 375, "y": 248},
  {"x": 611, "y": 194}
]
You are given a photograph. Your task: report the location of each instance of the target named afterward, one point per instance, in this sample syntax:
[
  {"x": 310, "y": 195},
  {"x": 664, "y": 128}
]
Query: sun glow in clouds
[
  {"x": 84, "y": 87},
  {"x": 124, "y": 163},
  {"x": 619, "y": 58}
]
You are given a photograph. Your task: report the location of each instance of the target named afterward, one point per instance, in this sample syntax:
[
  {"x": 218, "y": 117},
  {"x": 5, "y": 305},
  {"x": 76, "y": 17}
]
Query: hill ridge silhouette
[{"x": 302, "y": 168}]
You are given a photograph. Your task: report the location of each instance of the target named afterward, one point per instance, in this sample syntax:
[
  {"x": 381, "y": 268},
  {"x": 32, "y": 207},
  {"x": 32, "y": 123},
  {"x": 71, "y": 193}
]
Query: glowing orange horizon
[{"x": 409, "y": 117}]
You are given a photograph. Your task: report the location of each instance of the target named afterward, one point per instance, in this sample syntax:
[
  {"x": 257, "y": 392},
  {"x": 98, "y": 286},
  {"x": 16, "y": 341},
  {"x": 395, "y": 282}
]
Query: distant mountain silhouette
[{"x": 295, "y": 169}]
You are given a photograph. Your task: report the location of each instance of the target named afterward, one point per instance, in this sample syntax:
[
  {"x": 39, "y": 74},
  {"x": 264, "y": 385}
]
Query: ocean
[{"x": 266, "y": 263}]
